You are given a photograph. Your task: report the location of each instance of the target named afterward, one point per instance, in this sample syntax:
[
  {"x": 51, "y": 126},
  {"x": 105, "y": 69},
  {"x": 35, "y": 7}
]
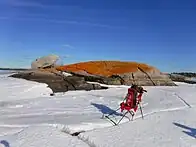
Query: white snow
[
  {"x": 66, "y": 74},
  {"x": 30, "y": 117}
]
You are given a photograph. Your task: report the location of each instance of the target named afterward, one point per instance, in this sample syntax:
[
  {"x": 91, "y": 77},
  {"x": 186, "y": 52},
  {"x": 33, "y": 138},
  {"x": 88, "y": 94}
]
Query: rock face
[
  {"x": 58, "y": 82},
  {"x": 122, "y": 73},
  {"x": 147, "y": 79},
  {"x": 181, "y": 78}
]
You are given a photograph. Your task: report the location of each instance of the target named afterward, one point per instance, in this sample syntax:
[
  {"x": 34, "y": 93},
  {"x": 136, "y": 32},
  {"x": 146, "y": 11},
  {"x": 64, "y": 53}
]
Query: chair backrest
[
  {"x": 131, "y": 100},
  {"x": 131, "y": 97}
]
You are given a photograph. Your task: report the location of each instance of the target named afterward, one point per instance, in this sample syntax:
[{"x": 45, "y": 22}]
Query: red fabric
[
  {"x": 128, "y": 105},
  {"x": 139, "y": 97},
  {"x": 135, "y": 109},
  {"x": 129, "y": 98},
  {"x": 123, "y": 107}
]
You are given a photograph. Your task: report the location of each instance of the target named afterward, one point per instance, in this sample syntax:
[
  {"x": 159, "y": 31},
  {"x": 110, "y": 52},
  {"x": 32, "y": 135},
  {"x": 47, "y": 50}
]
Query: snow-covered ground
[{"x": 30, "y": 117}]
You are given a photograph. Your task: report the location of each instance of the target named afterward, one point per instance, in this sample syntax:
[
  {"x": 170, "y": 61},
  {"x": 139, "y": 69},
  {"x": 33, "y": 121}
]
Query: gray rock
[
  {"x": 181, "y": 78},
  {"x": 113, "y": 80},
  {"x": 57, "y": 82},
  {"x": 151, "y": 78},
  {"x": 45, "y": 61}
]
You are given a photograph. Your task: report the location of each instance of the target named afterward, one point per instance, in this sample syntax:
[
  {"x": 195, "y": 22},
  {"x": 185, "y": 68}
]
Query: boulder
[
  {"x": 57, "y": 81},
  {"x": 45, "y": 62}
]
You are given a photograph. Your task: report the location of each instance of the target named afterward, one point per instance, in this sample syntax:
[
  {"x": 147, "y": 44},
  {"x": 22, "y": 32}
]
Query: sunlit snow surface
[{"x": 30, "y": 117}]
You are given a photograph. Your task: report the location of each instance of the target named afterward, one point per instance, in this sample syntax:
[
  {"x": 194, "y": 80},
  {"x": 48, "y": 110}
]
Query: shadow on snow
[
  {"x": 189, "y": 131},
  {"x": 105, "y": 109},
  {"x": 5, "y": 143}
]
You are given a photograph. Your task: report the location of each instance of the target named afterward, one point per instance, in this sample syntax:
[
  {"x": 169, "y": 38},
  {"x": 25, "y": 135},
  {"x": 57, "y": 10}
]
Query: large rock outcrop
[
  {"x": 57, "y": 81},
  {"x": 105, "y": 72},
  {"x": 119, "y": 73}
]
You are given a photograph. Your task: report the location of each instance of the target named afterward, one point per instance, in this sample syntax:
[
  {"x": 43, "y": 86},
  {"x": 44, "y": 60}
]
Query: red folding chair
[{"x": 129, "y": 104}]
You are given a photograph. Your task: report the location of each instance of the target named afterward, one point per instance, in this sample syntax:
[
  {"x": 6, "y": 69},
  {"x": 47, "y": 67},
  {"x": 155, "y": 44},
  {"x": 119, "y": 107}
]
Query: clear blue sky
[{"x": 161, "y": 33}]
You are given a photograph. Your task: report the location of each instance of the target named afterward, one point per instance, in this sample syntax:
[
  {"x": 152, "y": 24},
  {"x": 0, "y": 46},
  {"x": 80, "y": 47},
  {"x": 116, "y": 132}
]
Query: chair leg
[
  {"x": 132, "y": 115},
  {"x": 122, "y": 117}
]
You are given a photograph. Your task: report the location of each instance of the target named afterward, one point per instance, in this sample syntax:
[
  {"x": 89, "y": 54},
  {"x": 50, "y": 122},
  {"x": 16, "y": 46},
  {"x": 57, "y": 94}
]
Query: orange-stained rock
[
  {"x": 128, "y": 72},
  {"x": 107, "y": 68}
]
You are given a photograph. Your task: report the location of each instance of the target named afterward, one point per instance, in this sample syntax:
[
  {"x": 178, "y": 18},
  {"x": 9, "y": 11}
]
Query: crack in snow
[
  {"x": 77, "y": 134},
  {"x": 180, "y": 98},
  {"x": 87, "y": 141},
  {"x": 183, "y": 100}
]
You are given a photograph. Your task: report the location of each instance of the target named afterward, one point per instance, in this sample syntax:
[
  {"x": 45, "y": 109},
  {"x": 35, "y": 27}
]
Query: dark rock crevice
[{"x": 147, "y": 76}]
